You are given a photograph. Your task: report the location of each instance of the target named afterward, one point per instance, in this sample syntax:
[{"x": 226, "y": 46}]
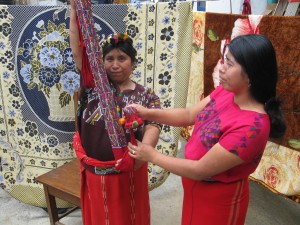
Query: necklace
[{"x": 119, "y": 110}]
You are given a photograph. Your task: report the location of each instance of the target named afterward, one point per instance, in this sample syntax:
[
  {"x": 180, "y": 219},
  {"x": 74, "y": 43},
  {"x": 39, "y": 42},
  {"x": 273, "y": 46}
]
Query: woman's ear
[{"x": 249, "y": 83}]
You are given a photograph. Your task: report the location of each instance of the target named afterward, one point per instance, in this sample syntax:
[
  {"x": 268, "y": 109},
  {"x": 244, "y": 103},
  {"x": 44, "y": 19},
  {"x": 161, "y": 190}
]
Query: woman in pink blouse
[{"x": 231, "y": 128}]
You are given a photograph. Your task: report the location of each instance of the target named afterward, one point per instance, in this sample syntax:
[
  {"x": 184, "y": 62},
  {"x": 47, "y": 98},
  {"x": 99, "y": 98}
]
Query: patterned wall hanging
[{"x": 38, "y": 78}]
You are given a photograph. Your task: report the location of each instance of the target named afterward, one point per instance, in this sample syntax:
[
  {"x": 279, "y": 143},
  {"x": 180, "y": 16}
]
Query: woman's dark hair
[
  {"x": 125, "y": 46},
  {"x": 256, "y": 54}
]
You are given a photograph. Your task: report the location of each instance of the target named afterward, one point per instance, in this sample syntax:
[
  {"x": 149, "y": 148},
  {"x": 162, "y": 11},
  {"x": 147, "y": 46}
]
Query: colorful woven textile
[{"x": 91, "y": 42}]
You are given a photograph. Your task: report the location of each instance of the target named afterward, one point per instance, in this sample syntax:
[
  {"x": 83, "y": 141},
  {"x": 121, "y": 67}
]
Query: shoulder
[
  {"x": 247, "y": 135},
  {"x": 248, "y": 124},
  {"x": 244, "y": 118},
  {"x": 143, "y": 90},
  {"x": 150, "y": 99},
  {"x": 256, "y": 119}
]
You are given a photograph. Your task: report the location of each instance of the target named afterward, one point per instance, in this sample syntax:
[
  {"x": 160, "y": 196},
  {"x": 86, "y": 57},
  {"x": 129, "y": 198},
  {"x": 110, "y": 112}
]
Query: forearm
[
  {"x": 74, "y": 37},
  {"x": 151, "y": 135},
  {"x": 178, "y": 117},
  {"x": 181, "y": 167},
  {"x": 217, "y": 160}
]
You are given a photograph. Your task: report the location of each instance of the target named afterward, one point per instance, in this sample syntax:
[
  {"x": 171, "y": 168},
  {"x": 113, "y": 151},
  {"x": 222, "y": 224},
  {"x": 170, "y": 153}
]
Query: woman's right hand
[
  {"x": 140, "y": 110},
  {"x": 142, "y": 152}
]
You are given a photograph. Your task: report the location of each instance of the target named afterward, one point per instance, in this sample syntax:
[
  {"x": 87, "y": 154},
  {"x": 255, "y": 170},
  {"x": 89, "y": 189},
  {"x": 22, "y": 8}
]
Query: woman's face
[
  {"x": 232, "y": 76},
  {"x": 118, "y": 65}
]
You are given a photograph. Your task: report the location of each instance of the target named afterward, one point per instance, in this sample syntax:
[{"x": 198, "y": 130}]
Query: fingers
[
  {"x": 130, "y": 109},
  {"x": 132, "y": 153},
  {"x": 132, "y": 105},
  {"x": 132, "y": 149},
  {"x": 130, "y": 145}
]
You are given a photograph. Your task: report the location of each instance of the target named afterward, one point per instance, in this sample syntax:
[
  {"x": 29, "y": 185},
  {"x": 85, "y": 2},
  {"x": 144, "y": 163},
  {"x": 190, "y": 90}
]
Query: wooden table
[{"x": 63, "y": 183}]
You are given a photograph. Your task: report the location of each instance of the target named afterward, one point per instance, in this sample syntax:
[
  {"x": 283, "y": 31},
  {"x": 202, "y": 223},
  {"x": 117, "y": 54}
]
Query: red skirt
[
  {"x": 112, "y": 199},
  {"x": 117, "y": 199},
  {"x": 214, "y": 203}
]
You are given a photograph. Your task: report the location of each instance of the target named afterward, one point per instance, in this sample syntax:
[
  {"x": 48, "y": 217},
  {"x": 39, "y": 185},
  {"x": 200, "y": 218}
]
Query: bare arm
[
  {"x": 74, "y": 37},
  {"x": 151, "y": 135},
  {"x": 178, "y": 117},
  {"x": 216, "y": 161}
]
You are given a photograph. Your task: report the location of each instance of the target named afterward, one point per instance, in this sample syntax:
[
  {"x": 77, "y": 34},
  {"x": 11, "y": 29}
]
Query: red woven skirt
[
  {"x": 214, "y": 203},
  {"x": 117, "y": 199},
  {"x": 111, "y": 199}
]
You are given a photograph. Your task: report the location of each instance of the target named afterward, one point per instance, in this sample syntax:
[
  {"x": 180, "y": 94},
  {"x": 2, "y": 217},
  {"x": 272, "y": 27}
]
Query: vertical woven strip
[{"x": 108, "y": 108}]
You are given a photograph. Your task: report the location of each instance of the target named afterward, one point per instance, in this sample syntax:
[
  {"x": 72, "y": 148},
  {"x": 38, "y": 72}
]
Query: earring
[{"x": 249, "y": 85}]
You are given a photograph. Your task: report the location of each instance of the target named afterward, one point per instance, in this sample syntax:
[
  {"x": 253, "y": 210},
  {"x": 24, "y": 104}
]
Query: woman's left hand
[{"x": 142, "y": 152}]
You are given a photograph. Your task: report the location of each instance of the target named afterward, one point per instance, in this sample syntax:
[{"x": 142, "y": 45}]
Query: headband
[{"x": 115, "y": 38}]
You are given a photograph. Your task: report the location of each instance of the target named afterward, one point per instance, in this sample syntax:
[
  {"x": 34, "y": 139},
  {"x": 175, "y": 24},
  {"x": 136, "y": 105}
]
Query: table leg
[{"x": 51, "y": 206}]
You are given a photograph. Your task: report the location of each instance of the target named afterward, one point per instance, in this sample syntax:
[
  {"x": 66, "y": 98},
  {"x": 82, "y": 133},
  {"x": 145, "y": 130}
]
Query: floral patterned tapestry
[
  {"x": 38, "y": 78},
  {"x": 279, "y": 169},
  {"x": 196, "y": 79}
]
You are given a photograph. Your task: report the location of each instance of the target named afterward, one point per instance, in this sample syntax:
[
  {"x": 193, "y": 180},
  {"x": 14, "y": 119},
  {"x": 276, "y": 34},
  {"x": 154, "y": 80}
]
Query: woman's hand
[
  {"x": 140, "y": 110},
  {"x": 142, "y": 152}
]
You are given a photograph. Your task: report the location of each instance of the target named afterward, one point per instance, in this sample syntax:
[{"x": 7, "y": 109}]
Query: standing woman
[
  {"x": 231, "y": 129},
  {"x": 109, "y": 196}
]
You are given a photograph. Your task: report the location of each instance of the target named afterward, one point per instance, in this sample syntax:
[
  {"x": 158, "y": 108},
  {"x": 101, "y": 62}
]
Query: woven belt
[{"x": 100, "y": 170}]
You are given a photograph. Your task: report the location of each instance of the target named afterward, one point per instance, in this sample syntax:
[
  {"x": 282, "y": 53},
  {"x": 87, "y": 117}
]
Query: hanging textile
[{"x": 108, "y": 107}]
